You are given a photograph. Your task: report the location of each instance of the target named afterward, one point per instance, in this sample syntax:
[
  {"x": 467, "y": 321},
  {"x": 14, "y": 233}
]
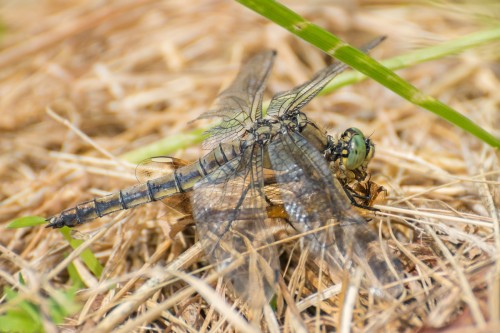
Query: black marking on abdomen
[
  {"x": 97, "y": 211},
  {"x": 150, "y": 191},
  {"x": 224, "y": 157},
  {"x": 202, "y": 167},
  {"x": 77, "y": 215},
  {"x": 178, "y": 185},
  {"x": 120, "y": 195}
]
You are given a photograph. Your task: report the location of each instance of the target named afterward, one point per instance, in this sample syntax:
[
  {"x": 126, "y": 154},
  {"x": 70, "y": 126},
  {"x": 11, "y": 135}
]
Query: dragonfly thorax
[
  {"x": 294, "y": 121},
  {"x": 265, "y": 130}
]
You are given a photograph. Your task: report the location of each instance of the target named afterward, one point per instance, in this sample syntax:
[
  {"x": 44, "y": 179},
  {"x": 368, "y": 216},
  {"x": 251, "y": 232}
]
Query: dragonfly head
[
  {"x": 357, "y": 150},
  {"x": 353, "y": 151}
]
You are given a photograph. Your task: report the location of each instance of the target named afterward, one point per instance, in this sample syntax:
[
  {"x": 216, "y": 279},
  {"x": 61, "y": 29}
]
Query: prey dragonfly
[{"x": 258, "y": 161}]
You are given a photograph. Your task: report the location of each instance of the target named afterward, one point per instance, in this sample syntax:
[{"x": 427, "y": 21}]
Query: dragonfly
[{"x": 257, "y": 161}]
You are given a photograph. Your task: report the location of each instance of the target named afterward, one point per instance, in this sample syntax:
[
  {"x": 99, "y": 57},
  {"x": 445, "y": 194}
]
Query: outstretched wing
[
  {"x": 229, "y": 209},
  {"x": 240, "y": 105},
  {"x": 314, "y": 200},
  {"x": 295, "y": 99}
]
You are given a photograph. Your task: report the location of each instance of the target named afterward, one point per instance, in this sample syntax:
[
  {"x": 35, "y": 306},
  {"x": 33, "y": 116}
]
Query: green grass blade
[
  {"x": 335, "y": 47},
  {"x": 420, "y": 56},
  {"x": 19, "y": 321},
  {"x": 77, "y": 281},
  {"x": 87, "y": 256},
  {"x": 21, "y": 316},
  {"x": 3, "y": 30},
  {"x": 63, "y": 304},
  {"x": 165, "y": 146},
  {"x": 26, "y": 221},
  {"x": 180, "y": 141}
]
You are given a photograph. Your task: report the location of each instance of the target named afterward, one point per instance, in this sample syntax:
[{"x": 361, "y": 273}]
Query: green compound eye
[
  {"x": 356, "y": 148},
  {"x": 371, "y": 150}
]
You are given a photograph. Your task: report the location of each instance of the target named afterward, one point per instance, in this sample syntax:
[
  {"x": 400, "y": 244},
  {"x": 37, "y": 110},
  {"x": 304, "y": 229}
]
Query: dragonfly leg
[{"x": 365, "y": 197}]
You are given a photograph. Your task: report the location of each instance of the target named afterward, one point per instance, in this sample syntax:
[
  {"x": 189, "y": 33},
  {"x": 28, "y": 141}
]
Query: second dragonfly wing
[
  {"x": 229, "y": 208},
  {"x": 317, "y": 206}
]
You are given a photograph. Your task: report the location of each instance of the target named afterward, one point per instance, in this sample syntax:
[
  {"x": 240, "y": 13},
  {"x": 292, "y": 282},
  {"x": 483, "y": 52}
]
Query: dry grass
[{"x": 133, "y": 72}]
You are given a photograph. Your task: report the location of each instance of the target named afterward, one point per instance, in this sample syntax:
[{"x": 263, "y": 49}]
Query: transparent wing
[
  {"x": 295, "y": 99},
  {"x": 230, "y": 212},
  {"x": 160, "y": 166},
  {"x": 240, "y": 105},
  {"x": 314, "y": 199}
]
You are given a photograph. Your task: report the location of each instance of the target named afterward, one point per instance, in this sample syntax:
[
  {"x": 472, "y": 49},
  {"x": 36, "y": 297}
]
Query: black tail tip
[{"x": 52, "y": 223}]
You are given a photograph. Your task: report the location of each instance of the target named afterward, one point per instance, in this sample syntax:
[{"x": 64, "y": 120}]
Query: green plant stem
[
  {"x": 180, "y": 141},
  {"x": 335, "y": 47},
  {"x": 420, "y": 56},
  {"x": 165, "y": 146}
]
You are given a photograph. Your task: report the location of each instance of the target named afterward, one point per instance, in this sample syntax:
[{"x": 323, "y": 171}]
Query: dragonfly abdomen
[
  {"x": 181, "y": 180},
  {"x": 217, "y": 157},
  {"x": 130, "y": 197},
  {"x": 99, "y": 207}
]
